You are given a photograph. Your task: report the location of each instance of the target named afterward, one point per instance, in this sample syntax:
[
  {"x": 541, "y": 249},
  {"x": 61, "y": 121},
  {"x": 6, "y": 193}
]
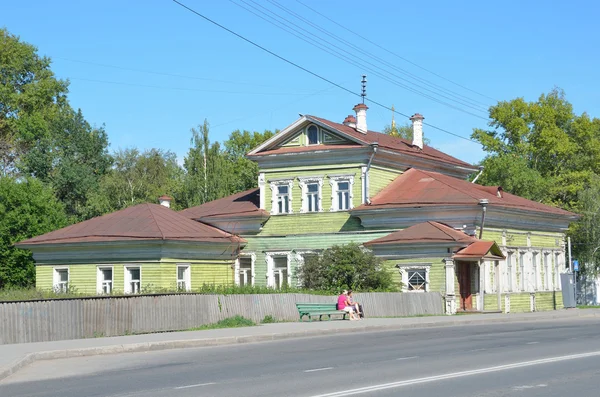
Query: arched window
[{"x": 313, "y": 135}]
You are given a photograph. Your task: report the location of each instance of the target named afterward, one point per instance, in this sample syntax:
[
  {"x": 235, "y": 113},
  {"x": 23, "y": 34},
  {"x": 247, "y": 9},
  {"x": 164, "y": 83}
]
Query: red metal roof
[
  {"x": 305, "y": 149},
  {"x": 244, "y": 204},
  {"x": 426, "y": 232},
  {"x": 385, "y": 141},
  {"x": 425, "y": 188},
  {"x": 140, "y": 222},
  {"x": 480, "y": 249}
]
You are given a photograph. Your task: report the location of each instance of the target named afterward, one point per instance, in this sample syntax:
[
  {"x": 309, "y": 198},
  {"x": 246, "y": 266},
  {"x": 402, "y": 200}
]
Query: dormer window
[{"x": 313, "y": 135}]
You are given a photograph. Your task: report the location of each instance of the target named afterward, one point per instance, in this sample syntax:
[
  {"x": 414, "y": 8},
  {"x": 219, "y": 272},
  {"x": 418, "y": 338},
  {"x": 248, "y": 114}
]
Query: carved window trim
[
  {"x": 304, "y": 182},
  {"x": 274, "y": 193},
  {"x": 334, "y": 181}
]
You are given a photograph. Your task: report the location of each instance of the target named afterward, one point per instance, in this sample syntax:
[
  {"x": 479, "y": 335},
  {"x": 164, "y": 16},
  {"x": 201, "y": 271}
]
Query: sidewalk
[{"x": 16, "y": 356}]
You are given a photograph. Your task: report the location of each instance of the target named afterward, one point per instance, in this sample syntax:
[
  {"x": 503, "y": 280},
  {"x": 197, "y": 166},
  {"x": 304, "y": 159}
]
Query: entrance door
[{"x": 464, "y": 285}]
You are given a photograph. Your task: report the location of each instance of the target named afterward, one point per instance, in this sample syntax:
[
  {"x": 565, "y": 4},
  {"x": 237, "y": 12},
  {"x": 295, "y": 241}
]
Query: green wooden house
[{"x": 323, "y": 183}]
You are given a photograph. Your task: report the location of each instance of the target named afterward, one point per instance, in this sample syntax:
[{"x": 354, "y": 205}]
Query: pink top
[{"x": 341, "y": 302}]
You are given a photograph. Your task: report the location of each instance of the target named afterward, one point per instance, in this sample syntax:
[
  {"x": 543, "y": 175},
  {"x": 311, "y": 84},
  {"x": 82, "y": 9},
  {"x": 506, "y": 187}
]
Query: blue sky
[{"x": 502, "y": 50}]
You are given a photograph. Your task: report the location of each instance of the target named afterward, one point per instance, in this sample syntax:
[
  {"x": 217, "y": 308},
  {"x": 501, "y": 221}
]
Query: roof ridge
[
  {"x": 441, "y": 230},
  {"x": 150, "y": 208}
]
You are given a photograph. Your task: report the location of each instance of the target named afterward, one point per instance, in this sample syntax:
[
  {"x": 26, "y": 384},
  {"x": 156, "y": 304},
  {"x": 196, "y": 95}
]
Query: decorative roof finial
[
  {"x": 393, "y": 121},
  {"x": 364, "y": 87}
]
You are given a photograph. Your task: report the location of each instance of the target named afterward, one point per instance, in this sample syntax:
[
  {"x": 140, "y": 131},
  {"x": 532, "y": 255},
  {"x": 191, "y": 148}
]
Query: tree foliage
[
  {"x": 345, "y": 267},
  {"x": 28, "y": 208},
  {"x": 586, "y": 232},
  {"x": 136, "y": 178},
  {"x": 541, "y": 150}
]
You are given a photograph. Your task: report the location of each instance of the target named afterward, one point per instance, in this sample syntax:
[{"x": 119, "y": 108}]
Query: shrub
[
  {"x": 268, "y": 319},
  {"x": 345, "y": 267}
]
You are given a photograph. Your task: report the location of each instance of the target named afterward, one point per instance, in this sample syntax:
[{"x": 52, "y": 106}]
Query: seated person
[
  {"x": 355, "y": 305},
  {"x": 343, "y": 304}
]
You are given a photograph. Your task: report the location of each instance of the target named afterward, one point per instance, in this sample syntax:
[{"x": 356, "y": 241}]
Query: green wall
[
  {"x": 379, "y": 178},
  {"x": 157, "y": 275},
  {"x": 259, "y": 245}
]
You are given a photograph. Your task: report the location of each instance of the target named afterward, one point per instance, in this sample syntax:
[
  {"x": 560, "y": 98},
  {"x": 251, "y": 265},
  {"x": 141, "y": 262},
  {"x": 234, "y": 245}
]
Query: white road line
[
  {"x": 198, "y": 385},
  {"x": 407, "y": 358},
  {"x": 532, "y": 343},
  {"x": 453, "y": 375},
  {"x": 318, "y": 369},
  {"x": 477, "y": 350}
]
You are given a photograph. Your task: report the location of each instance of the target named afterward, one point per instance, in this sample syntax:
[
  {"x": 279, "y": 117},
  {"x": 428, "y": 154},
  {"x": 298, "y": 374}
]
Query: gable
[{"x": 300, "y": 138}]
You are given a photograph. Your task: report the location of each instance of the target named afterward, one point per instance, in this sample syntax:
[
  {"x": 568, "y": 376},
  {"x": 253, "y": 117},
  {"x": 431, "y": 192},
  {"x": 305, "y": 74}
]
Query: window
[
  {"x": 278, "y": 271},
  {"x": 133, "y": 280},
  {"x": 313, "y": 135},
  {"x": 281, "y": 199},
  {"x": 105, "y": 280},
  {"x": 343, "y": 195},
  {"x": 415, "y": 277},
  {"x": 245, "y": 271},
  {"x": 61, "y": 280},
  {"x": 548, "y": 272},
  {"x": 522, "y": 277},
  {"x": 312, "y": 197},
  {"x": 311, "y": 188},
  {"x": 341, "y": 187},
  {"x": 416, "y": 280},
  {"x": 184, "y": 282}
]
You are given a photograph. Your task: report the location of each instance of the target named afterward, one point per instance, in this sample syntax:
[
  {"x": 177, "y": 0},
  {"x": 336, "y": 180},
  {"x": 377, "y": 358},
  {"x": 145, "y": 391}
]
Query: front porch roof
[
  {"x": 480, "y": 250},
  {"x": 426, "y": 232}
]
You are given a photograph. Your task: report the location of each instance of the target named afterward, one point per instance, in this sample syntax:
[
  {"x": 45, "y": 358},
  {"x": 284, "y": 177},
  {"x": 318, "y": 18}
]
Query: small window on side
[{"x": 313, "y": 135}]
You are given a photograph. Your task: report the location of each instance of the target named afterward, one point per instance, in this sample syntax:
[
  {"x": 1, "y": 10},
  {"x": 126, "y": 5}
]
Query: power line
[
  {"x": 355, "y": 61},
  {"x": 307, "y": 70},
  {"x": 159, "y": 73},
  {"x": 395, "y": 54},
  {"x": 389, "y": 64}
]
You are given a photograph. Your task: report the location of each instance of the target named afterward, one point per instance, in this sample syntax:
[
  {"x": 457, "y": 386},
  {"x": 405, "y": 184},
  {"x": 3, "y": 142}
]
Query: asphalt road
[{"x": 519, "y": 359}]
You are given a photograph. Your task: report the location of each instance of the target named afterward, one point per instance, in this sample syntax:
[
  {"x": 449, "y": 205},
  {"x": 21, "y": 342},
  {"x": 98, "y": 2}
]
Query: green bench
[{"x": 319, "y": 309}]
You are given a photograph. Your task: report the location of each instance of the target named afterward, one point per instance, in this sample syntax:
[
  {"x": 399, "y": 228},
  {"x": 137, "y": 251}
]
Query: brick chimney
[
  {"x": 361, "y": 117},
  {"x": 350, "y": 121},
  {"x": 417, "y": 128},
  {"x": 165, "y": 201}
]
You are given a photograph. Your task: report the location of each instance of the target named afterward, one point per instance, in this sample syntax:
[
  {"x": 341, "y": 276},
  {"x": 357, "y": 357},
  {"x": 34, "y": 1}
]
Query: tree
[
  {"x": 236, "y": 147},
  {"x": 540, "y": 150},
  {"x": 28, "y": 208},
  {"x": 30, "y": 98},
  {"x": 137, "y": 178},
  {"x": 586, "y": 232},
  {"x": 345, "y": 267}
]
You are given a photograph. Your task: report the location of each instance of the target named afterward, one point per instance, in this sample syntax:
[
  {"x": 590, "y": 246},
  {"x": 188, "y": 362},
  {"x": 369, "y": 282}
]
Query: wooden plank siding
[{"x": 379, "y": 178}]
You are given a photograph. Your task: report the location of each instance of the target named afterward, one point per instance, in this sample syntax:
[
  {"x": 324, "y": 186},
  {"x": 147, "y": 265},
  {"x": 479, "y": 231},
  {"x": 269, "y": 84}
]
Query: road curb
[{"x": 232, "y": 340}]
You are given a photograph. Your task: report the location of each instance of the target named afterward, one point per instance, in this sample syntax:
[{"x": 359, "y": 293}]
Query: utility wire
[
  {"x": 308, "y": 71},
  {"x": 379, "y": 59},
  {"x": 357, "y": 62},
  {"x": 395, "y": 54}
]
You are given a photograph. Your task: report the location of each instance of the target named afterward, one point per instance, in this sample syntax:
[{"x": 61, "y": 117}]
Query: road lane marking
[
  {"x": 198, "y": 385},
  {"x": 453, "y": 375},
  {"x": 532, "y": 343},
  {"x": 407, "y": 358},
  {"x": 477, "y": 350},
  {"x": 318, "y": 369},
  {"x": 525, "y": 387}
]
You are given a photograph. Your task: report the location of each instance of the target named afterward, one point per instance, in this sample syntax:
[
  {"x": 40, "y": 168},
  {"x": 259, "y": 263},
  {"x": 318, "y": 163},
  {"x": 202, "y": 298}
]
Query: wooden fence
[{"x": 49, "y": 320}]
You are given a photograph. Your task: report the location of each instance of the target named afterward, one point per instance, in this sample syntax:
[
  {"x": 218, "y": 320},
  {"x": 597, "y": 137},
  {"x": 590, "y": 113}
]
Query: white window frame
[
  {"x": 549, "y": 281},
  {"x": 404, "y": 275},
  {"x": 334, "y": 181},
  {"x": 536, "y": 270},
  {"x": 275, "y": 194},
  {"x": 308, "y": 135},
  {"x": 523, "y": 274},
  {"x": 270, "y": 259},
  {"x": 100, "y": 279},
  {"x": 252, "y": 257},
  {"x": 310, "y": 180},
  {"x": 511, "y": 272},
  {"x": 128, "y": 280},
  {"x": 57, "y": 285},
  {"x": 187, "y": 276}
]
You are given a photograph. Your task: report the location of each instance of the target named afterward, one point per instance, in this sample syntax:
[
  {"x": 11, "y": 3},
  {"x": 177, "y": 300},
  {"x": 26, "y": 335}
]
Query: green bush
[
  {"x": 345, "y": 267},
  {"x": 268, "y": 319}
]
